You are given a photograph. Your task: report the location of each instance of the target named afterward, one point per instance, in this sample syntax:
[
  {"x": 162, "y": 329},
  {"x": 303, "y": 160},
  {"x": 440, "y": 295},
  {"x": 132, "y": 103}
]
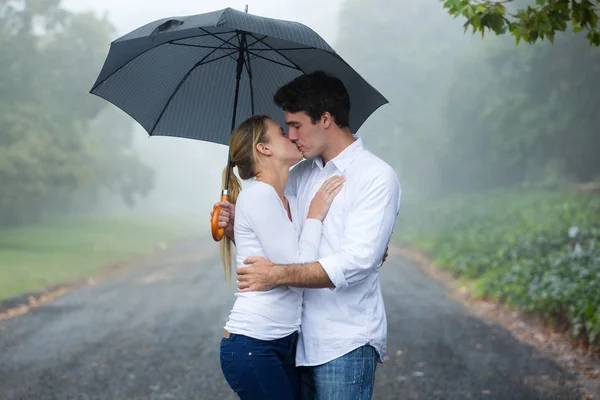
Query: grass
[{"x": 33, "y": 258}]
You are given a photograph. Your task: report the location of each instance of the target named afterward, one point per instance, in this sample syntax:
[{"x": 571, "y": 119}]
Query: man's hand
[
  {"x": 258, "y": 277},
  {"x": 226, "y": 217}
]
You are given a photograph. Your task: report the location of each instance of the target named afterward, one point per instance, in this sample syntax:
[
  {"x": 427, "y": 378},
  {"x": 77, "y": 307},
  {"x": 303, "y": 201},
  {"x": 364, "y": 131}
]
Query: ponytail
[
  {"x": 242, "y": 146},
  {"x": 225, "y": 245}
]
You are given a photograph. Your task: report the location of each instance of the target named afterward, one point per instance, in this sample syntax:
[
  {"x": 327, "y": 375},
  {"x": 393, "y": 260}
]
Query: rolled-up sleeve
[{"x": 367, "y": 231}]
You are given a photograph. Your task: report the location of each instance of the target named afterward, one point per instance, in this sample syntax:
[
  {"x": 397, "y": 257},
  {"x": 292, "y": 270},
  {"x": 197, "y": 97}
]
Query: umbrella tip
[{"x": 246, "y": 8}]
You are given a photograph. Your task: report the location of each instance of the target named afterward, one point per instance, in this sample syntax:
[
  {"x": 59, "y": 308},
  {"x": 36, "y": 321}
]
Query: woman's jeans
[{"x": 261, "y": 369}]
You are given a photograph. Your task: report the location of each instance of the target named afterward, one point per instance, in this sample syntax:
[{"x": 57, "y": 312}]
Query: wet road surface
[{"x": 153, "y": 333}]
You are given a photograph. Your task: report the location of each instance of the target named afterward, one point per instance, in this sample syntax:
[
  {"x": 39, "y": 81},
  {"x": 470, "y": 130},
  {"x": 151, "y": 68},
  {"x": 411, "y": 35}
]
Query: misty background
[
  {"x": 465, "y": 114},
  {"x": 187, "y": 173},
  {"x": 496, "y": 147}
]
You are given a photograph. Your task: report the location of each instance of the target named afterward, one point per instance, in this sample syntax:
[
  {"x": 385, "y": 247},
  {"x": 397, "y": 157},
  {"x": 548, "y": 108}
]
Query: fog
[{"x": 466, "y": 113}]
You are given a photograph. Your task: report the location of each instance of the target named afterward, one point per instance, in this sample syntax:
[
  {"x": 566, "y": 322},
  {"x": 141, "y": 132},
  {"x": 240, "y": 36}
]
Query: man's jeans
[{"x": 349, "y": 377}]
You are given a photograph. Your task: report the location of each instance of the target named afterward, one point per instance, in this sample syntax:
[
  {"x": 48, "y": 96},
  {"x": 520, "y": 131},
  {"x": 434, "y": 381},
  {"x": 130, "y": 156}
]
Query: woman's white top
[{"x": 262, "y": 228}]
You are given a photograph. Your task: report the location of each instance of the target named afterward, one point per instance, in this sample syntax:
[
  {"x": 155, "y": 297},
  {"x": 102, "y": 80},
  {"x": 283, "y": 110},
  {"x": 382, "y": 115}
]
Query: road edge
[
  {"x": 526, "y": 329},
  {"x": 21, "y": 304}
]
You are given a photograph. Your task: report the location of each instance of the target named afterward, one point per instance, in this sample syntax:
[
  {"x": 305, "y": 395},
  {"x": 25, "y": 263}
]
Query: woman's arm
[{"x": 275, "y": 231}]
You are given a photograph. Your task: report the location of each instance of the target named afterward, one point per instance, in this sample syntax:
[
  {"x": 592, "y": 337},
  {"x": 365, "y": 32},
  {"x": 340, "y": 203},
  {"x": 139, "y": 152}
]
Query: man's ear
[
  {"x": 326, "y": 119},
  {"x": 262, "y": 149}
]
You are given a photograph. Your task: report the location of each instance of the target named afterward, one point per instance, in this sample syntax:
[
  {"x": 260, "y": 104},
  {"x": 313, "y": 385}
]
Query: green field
[
  {"x": 36, "y": 257},
  {"x": 538, "y": 251}
]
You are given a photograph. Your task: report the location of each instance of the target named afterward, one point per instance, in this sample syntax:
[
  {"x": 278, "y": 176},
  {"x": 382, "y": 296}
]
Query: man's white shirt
[{"x": 355, "y": 234}]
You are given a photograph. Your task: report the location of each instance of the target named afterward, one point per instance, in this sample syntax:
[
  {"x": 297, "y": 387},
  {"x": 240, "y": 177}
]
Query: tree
[
  {"x": 52, "y": 139},
  {"x": 532, "y": 23},
  {"x": 530, "y": 111},
  {"x": 468, "y": 115}
]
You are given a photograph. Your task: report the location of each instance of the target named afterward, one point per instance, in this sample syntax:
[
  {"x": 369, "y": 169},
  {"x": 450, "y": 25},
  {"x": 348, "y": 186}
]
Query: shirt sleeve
[
  {"x": 367, "y": 233},
  {"x": 275, "y": 232}
]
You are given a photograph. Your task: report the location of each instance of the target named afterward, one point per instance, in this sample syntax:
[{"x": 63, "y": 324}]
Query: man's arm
[
  {"x": 262, "y": 275},
  {"x": 367, "y": 231},
  {"x": 311, "y": 275}
]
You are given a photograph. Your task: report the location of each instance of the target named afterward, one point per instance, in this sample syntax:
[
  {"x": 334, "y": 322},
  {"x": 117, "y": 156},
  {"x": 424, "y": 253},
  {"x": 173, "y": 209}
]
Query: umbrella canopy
[{"x": 195, "y": 76}]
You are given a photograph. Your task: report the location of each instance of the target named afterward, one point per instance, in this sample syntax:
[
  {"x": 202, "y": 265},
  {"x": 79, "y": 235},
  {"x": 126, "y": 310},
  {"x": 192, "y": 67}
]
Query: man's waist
[{"x": 310, "y": 353}]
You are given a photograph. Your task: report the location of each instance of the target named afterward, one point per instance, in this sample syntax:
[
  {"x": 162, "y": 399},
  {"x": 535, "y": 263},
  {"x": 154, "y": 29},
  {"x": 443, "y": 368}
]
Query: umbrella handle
[{"x": 217, "y": 233}]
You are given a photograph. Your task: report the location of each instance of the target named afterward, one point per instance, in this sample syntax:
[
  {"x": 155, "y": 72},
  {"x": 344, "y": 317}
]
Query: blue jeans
[
  {"x": 349, "y": 377},
  {"x": 261, "y": 369}
]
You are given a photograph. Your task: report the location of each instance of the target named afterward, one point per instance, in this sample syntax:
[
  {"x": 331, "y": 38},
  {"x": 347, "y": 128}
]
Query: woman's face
[{"x": 282, "y": 149}]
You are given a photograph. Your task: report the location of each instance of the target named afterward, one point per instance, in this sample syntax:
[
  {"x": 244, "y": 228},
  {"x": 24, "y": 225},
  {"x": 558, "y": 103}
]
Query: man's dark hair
[{"x": 316, "y": 93}]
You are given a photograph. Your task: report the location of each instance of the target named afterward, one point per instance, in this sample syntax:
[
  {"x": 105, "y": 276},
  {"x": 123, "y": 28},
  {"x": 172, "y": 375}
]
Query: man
[{"x": 343, "y": 319}]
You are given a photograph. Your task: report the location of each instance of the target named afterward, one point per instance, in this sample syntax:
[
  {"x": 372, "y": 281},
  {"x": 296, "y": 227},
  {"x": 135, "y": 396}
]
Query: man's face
[{"x": 308, "y": 137}]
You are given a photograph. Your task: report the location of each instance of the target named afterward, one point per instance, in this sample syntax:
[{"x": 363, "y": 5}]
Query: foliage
[
  {"x": 468, "y": 116},
  {"x": 536, "y": 250},
  {"x": 530, "y": 24},
  {"x": 471, "y": 115},
  {"x": 527, "y": 116}
]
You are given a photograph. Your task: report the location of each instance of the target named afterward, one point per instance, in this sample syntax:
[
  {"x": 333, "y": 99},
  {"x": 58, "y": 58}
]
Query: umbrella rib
[
  {"x": 228, "y": 41},
  {"x": 218, "y": 58},
  {"x": 232, "y": 49},
  {"x": 276, "y": 51},
  {"x": 221, "y": 39},
  {"x": 257, "y": 41},
  {"x": 203, "y": 47},
  {"x": 152, "y": 48},
  {"x": 181, "y": 84},
  {"x": 276, "y": 62},
  {"x": 289, "y": 48}
]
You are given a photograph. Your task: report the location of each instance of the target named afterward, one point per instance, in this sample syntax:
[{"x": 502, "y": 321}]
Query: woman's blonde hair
[{"x": 242, "y": 150}]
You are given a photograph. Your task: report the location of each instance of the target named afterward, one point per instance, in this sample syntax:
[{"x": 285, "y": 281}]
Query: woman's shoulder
[{"x": 256, "y": 191}]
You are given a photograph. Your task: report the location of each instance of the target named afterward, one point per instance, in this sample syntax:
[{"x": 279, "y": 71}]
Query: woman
[{"x": 259, "y": 345}]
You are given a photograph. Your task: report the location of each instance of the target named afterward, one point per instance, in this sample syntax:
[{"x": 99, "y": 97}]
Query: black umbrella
[{"x": 195, "y": 76}]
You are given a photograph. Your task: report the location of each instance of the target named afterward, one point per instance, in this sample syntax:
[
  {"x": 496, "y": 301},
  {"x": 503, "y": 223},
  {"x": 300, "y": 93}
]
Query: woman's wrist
[{"x": 312, "y": 215}]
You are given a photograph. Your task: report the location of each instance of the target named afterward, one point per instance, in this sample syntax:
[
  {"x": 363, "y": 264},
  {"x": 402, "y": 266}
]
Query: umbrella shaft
[{"x": 240, "y": 68}]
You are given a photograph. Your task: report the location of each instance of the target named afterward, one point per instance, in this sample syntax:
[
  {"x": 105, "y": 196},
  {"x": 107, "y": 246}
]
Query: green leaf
[{"x": 497, "y": 24}]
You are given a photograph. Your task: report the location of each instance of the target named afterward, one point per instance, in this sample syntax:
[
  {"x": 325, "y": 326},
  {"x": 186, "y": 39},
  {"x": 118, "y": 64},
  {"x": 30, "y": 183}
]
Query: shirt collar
[{"x": 345, "y": 158}]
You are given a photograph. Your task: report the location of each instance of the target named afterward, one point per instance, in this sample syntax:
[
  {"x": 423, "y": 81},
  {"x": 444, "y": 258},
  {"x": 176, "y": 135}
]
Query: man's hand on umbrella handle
[{"x": 226, "y": 216}]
